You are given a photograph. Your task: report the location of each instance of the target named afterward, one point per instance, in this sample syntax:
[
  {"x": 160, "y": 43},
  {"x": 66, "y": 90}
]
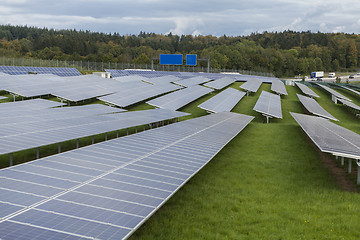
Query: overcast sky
[{"x": 230, "y": 17}]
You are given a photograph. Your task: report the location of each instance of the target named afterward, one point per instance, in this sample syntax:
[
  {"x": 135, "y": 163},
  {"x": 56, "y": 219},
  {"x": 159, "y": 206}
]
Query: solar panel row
[
  {"x": 333, "y": 92},
  {"x": 224, "y": 101},
  {"x": 314, "y": 107},
  {"x": 269, "y": 105},
  {"x": 278, "y": 87},
  {"x": 26, "y": 135},
  {"x": 220, "y": 83},
  {"x": 107, "y": 190},
  {"x": 251, "y": 85},
  {"x": 180, "y": 98},
  {"x": 16, "y": 70},
  {"x": 306, "y": 90}
]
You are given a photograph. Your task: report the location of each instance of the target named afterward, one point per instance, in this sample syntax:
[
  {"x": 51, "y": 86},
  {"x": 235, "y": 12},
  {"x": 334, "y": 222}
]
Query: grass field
[{"x": 268, "y": 183}]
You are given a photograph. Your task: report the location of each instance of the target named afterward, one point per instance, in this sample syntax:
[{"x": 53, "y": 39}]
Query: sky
[{"x": 217, "y": 18}]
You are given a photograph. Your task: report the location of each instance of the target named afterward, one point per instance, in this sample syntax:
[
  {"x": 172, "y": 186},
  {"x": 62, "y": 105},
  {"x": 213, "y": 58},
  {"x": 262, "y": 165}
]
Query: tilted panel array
[
  {"x": 163, "y": 79},
  {"x": 269, "y": 104},
  {"x": 180, "y": 98},
  {"x": 26, "y": 135},
  {"x": 220, "y": 83},
  {"x": 192, "y": 81},
  {"x": 333, "y": 92},
  {"x": 251, "y": 85},
  {"x": 224, "y": 101},
  {"x": 306, "y": 90},
  {"x": 31, "y": 104},
  {"x": 128, "y": 97},
  {"x": 329, "y": 137},
  {"x": 350, "y": 104},
  {"x": 108, "y": 190},
  {"x": 279, "y": 87},
  {"x": 349, "y": 89},
  {"x": 314, "y": 107},
  {"x": 64, "y": 72}
]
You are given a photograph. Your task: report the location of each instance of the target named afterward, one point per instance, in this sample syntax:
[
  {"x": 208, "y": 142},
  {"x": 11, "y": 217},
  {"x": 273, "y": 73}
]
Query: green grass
[{"x": 268, "y": 183}]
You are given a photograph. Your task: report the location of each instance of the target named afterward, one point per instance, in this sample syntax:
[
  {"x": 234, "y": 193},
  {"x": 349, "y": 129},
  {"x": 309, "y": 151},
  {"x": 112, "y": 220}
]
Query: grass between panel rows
[{"x": 268, "y": 183}]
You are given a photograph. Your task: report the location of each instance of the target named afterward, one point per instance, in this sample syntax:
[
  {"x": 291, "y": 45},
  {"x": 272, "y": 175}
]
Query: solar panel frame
[
  {"x": 279, "y": 87},
  {"x": 252, "y": 85},
  {"x": 314, "y": 107},
  {"x": 269, "y": 105},
  {"x": 329, "y": 137},
  {"x": 306, "y": 90},
  {"x": 67, "y": 213},
  {"x": 223, "y": 101},
  {"x": 333, "y": 92}
]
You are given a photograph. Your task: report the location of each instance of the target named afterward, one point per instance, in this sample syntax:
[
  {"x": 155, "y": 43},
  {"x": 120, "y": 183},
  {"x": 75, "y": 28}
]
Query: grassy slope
[{"x": 268, "y": 183}]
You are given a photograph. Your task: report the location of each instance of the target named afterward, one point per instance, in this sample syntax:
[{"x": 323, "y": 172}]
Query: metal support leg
[
  {"x": 336, "y": 157},
  {"x": 37, "y": 153},
  {"x": 117, "y": 133},
  {"x": 93, "y": 140},
  {"x": 59, "y": 148},
  {"x": 349, "y": 167},
  {"x": 358, "y": 175},
  {"x": 11, "y": 159},
  {"x": 150, "y": 125},
  {"x": 267, "y": 119},
  {"x": 106, "y": 136},
  {"x": 342, "y": 161},
  {"x": 77, "y": 143}
]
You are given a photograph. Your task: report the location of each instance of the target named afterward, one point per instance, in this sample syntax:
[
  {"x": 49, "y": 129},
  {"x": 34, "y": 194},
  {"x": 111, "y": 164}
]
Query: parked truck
[{"x": 317, "y": 74}]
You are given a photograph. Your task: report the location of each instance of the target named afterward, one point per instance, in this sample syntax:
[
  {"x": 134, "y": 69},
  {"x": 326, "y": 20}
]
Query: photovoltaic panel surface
[
  {"x": 350, "y": 89},
  {"x": 107, "y": 190},
  {"x": 15, "y": 70},
  {"x": 192, "y": 81},
  {"x": 26, "y": 135},
  {"x": 330, "y": 137},
  {"x": 220, "y": 83},
  {"x": 128, "y": 97},
  {"x": 223, "y": 101},
  {"x": 180, "y": 98},
  {"x": 251, "y": 85},
  {"x": 269, "y": 104},
  {"x": 278, "y": 87},
  {"x": 306, "y": 90},
  {"x": 350, "y": 104},
  {"x": 314, "y": 107},
  {"x": 333, "y": 92}
]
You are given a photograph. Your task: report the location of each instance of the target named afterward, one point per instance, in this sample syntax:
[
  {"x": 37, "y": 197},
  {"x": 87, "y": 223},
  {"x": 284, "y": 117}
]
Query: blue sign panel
[
  {"x": 171, "y": 59},
  {"x": 191, "y": 59}
]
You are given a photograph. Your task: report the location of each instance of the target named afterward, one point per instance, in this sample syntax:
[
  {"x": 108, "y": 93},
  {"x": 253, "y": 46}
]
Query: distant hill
[{"x": 285, "y": 53}]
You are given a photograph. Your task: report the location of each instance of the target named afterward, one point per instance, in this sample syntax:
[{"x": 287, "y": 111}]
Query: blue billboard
[
  {"x": 171, "y": 59},
  {"x": 191, "y": 59}
]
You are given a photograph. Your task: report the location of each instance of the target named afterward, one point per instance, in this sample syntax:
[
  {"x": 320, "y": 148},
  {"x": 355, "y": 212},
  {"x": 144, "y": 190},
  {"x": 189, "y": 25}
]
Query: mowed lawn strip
[{"x": 267, "y": 183}]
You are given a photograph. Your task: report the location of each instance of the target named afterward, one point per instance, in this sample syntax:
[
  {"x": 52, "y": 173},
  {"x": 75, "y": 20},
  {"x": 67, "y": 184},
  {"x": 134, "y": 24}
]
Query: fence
[{"x": 101, "y": 66}]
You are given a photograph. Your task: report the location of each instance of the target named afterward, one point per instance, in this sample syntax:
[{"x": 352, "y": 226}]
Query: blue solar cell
[{"x": 15, "y": 70}]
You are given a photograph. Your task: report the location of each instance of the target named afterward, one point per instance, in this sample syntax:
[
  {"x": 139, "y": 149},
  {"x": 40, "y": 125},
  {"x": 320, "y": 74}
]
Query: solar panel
[
  {"x": 16, "y": 70},
  {"x": 329, "y": 137},
  {"x": 269, "y": 105},
  {"x": 192, "y": 81},
  {"x": 251, "y": 85},
  {"x": 36, "y": 133},
  {"x": 306, "y": 90},
  {"x": 220, "y": 83},
  {"x": 31, "y": 104},
  {"x": 224, "y": 101},
  {"x": 350, "y": 104},
  {"x": 333, "y": 92},
  {"x": 349, "y": 89},
  {"x": 180, "y": 98},
  {"x": 108, "y": 190},
  {"x": 128, "y": 97},
  {"x": 278, "y": 87},
  {"x": 314, "y": 107},
  {"x": 163, "y": 79}
]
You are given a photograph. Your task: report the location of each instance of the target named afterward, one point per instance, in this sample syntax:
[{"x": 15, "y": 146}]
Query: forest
[{"x": 286, "y": 53}]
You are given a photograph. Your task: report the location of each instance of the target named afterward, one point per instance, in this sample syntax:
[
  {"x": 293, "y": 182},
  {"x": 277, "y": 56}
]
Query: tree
[{"x": 142, "y": 59}]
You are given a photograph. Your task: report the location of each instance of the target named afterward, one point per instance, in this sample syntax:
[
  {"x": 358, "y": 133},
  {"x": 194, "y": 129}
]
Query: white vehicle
[{"x": 331, "y": 75}]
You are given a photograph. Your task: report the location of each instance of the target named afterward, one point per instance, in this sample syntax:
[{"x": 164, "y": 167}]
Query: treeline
[{"x": 285, "y": 53}]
